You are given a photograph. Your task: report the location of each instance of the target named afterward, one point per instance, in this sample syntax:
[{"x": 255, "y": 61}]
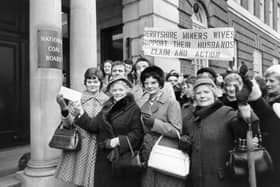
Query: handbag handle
[{"x": 130, "y": 147}]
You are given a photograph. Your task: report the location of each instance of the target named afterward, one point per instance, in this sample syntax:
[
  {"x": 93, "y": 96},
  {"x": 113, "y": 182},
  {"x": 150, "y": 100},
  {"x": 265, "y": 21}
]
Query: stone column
[
  {"x": 44, "y": 111},
  {"x": 150, "y": 13},
  {"x": 83, "y": 48}
]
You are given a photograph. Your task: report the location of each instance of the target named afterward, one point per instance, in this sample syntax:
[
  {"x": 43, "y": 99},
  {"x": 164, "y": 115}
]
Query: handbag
[
  {"x": 128, "y": 162},
  {"x": 166, "y": 158},
  {"x": 238, "y": 161},
  {"x": 67, "y": 139}
]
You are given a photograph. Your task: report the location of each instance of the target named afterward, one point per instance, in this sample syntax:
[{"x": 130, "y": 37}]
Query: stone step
[
  {"x": 10, "y": 181},
  {"x": 9, "y": 158}
]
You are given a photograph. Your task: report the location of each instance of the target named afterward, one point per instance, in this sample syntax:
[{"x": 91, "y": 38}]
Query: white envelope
[{"x": 70, "y": 94}]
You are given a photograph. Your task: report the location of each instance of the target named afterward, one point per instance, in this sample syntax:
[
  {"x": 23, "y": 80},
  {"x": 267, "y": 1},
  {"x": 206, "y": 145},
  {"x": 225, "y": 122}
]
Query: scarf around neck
[{"x": 203, "y": 112}]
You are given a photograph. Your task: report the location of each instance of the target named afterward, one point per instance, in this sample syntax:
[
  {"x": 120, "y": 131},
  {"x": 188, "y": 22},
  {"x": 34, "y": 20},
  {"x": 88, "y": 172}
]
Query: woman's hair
[
  {"x": 143, "y": 59},
  {"x": 102, "y": 65},
  {"x": 93, "y": 73},
  {"x": 134, "y": 66},
  {"x": 128, "y": 61},
  {"x": 172, "y": 74},
  {"x": 273, "y": 70},
  {"x": 117, "y": 63},
  {"x": 154, "y": 72},
  {"x": 233, "y": 77}
]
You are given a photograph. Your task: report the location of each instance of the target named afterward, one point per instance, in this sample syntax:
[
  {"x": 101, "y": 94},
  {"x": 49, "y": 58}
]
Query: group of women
[{"x": 138, "y": 113}]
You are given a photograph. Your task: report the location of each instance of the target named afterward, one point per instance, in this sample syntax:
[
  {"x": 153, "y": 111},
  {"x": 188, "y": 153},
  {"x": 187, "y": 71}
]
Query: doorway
[{"x": 112, "y": 43}]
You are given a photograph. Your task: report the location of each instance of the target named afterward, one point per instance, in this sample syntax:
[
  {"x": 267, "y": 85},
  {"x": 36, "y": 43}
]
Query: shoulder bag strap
[{"x": 130, "y": 147}]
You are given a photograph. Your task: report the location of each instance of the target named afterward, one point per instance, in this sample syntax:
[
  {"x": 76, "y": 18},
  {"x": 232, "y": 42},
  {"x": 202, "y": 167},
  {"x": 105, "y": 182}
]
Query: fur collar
[
  {"x": 201, "y": 113},
  {"x": 111, "y": 110}
]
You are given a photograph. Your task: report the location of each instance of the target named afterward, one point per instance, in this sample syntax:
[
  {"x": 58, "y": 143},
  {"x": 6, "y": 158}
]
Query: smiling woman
[
  {"x": 84, "y": 160},
  {"x": 115, "y": 125},
  {"x": 161, "y": 115},
  {"x": 213, "y": 129}
]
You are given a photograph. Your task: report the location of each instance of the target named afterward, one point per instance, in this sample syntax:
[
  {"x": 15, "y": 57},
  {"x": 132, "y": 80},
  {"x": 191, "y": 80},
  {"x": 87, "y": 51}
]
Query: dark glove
[
  {"x": 185, "y": 143},
  {"x": 148, "y": 120},
  {"x": 63, "y": 106},
  {"x": 243, "y": 94}
]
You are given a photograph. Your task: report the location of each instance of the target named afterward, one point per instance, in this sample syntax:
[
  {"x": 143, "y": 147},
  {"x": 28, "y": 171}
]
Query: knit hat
[
  {"x": 119, "y": 78},
  {"x": 208, "y": 70},
  {"x": 203, "y": 81}
]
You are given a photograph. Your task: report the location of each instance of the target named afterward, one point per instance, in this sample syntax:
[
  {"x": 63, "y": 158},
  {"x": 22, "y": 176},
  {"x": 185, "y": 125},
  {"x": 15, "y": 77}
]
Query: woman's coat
[
  {"x": 168, "y": 122},
  {"x": 78, "y": 167},
  {"x": 211, "y": 131},
  {"x": 119, "y": 119},
  {"x": 270, "y": 126}
]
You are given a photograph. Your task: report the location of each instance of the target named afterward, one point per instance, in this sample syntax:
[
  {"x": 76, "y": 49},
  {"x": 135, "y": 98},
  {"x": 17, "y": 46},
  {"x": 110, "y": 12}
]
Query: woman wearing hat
[
  {"x": 117, "y": 123},
  {"x": 212, "y": 129},
  {"x": 269, "y": 114},
  {"x": 78, "y": 167},
  {"x": 161, "y": 115}
]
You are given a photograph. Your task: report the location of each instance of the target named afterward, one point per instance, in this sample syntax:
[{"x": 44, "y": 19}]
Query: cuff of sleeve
[{"x": 81, "y": 119}]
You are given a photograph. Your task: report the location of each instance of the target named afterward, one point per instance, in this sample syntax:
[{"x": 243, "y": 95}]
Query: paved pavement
[{"x": 9, "y": 159}]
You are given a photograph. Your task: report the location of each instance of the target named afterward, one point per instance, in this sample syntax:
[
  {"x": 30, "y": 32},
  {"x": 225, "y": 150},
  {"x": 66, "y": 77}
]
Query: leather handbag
[
  {"x": 238, "y": 161},
  {"x": 166, "y": 158},
  {"x": 128, "y": 162},
  {"x": 67, "y": 139}
]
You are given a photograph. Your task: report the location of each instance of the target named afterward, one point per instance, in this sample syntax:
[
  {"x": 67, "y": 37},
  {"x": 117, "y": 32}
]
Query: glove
[
  {"x": 256, "y": 92},
  {"x": 63, "y": 107},
  {"x": 242, "y": 95},
  {"x": 148, "y": 120}
]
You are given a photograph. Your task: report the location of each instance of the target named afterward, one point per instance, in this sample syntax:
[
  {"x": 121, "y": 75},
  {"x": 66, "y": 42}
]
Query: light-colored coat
[
  {"x": 78, "y": 167},
  {"x": 168, "y": 122}
]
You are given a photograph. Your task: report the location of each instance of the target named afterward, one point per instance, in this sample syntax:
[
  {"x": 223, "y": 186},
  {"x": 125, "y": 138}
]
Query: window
[
  {"x": 270, "y": 14},
  {"x": 199, "y": 20},
  {"x": 275, "y": 61},
  {"x": 257, "y": 63},
  {"x": 278, "y": 18},
  {"x": 262, "y": 10},
  {"x": 251, "y": 6}
]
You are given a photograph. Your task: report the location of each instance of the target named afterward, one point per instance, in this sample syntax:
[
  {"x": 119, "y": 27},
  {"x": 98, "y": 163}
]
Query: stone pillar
[
  {"x": 44, "y": 111},
  {"x": 83, "y": 47},
  {"x": 138, "y": 14}
]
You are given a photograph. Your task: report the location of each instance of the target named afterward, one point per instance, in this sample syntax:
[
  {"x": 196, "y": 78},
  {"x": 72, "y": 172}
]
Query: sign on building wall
[
  {"x": 49, "y": 49},
  {"x": 213, "y": 44}
]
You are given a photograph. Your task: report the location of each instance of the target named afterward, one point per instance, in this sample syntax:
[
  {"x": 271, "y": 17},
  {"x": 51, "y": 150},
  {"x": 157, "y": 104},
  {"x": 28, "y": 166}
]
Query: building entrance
[{"x": 14, "y": 68}]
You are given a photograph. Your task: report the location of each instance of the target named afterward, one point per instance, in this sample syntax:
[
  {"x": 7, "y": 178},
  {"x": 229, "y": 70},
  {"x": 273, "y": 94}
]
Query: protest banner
[{"x": 212, "y": 44}]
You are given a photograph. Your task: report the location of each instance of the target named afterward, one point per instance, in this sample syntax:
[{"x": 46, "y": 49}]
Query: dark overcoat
[
  {"x": 211, "y": 131},
  {"x": 270, "y": 126},
  {"x": 119, "y": 119}
]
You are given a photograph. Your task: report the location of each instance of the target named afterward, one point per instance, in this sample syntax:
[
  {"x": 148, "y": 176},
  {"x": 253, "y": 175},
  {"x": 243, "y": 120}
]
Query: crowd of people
[{"x": 134, "y": 103}]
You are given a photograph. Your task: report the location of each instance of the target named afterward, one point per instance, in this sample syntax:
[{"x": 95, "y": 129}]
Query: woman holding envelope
[{"x": 79, "y": 167}]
